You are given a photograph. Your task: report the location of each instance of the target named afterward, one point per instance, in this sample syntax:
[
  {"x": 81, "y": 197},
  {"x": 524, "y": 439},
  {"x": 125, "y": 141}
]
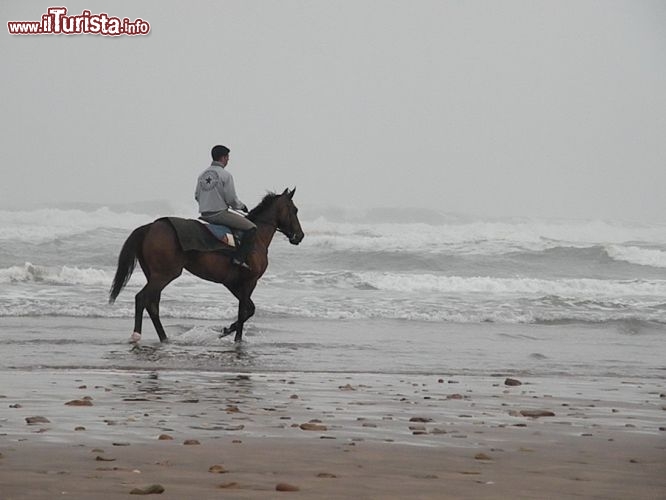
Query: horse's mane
[{"x": 262, "y": 206}]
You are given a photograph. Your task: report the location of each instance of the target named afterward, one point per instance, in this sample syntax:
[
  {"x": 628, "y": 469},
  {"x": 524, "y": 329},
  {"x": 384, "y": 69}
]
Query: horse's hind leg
[
  {"x": 149, "y": 299},
  {"x": 153, "y": 293},
  {"x": 153, "y": 309},
  {"x": 139, "y": 306}
]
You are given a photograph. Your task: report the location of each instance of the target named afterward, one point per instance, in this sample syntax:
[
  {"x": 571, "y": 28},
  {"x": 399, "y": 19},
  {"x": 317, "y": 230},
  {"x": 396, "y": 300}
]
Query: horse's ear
[
  {"x": 285, "y": 192},
  {"x": 291, "y": 193}
]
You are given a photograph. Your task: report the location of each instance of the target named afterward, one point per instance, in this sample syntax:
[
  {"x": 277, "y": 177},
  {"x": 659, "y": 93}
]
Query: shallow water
[{"x": 617, "y": 350}]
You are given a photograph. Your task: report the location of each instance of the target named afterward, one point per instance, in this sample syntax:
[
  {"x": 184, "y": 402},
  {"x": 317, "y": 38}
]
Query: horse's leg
[
  {"x": 139, "y": 306},
  {"x": 153, "y": 309},
  {"x": 245, "y": 311},
  {"x": 162, "y": 261},
  {"x": 233, "y": 327}
]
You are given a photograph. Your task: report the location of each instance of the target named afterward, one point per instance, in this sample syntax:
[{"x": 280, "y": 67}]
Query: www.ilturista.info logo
[{"x": 56, "y": 22}]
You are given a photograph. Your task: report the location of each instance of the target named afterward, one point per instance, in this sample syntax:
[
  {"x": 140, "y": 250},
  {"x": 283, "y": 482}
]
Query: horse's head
[{"x": 287, "y": 217}]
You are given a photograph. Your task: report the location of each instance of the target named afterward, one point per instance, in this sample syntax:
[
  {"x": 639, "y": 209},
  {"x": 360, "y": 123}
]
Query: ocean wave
[
  {"x": 73, "y": 275},
  {"x": 536, "y": 312},
  {"x": 413, "y": 283},
  {"x": 47, "y": 224},
  {"x": 475, "y": 238},
  {"x": 637, "y": 255},
  {"x": 65, "y": 275}
]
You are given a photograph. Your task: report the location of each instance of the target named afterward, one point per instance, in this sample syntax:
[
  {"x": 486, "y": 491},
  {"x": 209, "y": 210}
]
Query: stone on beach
[
  {"x": 286, "y": 487},
  {"x": 79, "y": 402},
  {"x": 326, "y": 475},
  {"x": 217, "y": 469},
  {"x": 537, "y": 413},
  {"x": 420, "y": 419},
  {"x": 153, "y": 489},
  {"x": 165, "y": 437},
  {"x": 229, "y": 485},
  {"x": 37, "y": 420},
  {"x": 191, "y": 442},
  {"x": 512, "y": 382},
  {"x": 310, "y": 426}
]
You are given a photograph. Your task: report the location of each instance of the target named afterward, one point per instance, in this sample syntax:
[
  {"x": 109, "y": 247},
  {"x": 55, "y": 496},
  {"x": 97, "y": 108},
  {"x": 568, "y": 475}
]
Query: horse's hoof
[{"x": 135, "y": 338}]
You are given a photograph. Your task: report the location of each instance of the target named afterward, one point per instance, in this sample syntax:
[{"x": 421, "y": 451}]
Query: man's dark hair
[{"x": 219, "y": 151}]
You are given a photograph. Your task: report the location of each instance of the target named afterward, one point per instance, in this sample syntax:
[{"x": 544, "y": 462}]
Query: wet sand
[{"x": 330, "y": 435}]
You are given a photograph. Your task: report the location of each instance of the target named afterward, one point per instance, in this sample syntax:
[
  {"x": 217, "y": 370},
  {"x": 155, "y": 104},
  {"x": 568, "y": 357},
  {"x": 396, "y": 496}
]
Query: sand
[{"x": 328, "y": 436}]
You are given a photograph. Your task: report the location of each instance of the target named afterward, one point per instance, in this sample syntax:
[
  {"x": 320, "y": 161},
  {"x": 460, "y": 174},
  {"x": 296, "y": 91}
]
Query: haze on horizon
[{"x": 547, "y": 109}]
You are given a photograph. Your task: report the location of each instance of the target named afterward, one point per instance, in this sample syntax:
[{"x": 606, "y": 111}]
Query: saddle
[{"x": 204, "y": 237}]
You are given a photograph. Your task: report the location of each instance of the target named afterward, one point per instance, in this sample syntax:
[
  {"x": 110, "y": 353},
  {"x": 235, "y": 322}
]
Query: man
[{"x": 216, "y": 193}]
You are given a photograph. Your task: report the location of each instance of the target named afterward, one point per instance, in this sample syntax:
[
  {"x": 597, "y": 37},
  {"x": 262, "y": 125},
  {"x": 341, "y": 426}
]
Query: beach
[
  {"x": 242, "y": 428},
  {"x": 466, "y": 358}
]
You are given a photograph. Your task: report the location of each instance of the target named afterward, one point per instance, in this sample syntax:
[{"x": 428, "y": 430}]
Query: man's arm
[{"x": 230, "y": 196}]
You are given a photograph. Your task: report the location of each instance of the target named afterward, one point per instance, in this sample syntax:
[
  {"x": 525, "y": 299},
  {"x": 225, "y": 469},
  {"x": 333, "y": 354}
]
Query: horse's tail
[{"x": 126, "y": 260}]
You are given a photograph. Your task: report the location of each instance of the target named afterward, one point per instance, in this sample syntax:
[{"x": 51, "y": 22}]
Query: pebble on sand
[
  {"x": 191, "y": 441},
  {"x": 37, "y": 420},
  {"x": 79, "y": 402},
  {"x": 512, "y": 382},
  {"x": 153, "y": 489},
  {"x": 327, "y": 475},
  {"x": 164, "y": 437},
  {"x": 217, "y": 469},
  {"x": 286, "y": 487},
  {"x": 79, "y": 428},
  {"x": 229, "y": 485},
  {"x": 309, "y": 426},
  {"x": 481, "y": 456},
  {"x": 537, "y": 413},
  {"x": 420, "y": 419}
]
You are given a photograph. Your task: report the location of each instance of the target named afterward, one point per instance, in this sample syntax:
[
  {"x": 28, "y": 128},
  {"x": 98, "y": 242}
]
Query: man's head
[{"x": 220, "y": 154}]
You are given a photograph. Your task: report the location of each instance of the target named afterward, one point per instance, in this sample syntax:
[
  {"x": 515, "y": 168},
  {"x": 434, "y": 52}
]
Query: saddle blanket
[{"x": 202, "y": 237}]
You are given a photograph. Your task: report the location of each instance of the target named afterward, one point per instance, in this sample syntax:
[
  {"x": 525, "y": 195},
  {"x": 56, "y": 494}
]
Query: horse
[{"x": 162, "y": 260}]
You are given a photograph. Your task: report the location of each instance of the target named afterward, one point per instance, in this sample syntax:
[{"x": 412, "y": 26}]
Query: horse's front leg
[
  {"x": 245, "y": 312},
  {"x": 228, "y": 330}
]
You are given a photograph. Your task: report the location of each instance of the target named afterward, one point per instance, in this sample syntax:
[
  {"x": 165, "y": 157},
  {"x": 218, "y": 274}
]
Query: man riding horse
[{"x": 216, "y": 194}]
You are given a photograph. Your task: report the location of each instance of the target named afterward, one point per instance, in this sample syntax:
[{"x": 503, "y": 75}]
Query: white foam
[
  {"x": 64, "y": 275},
  {"x": 484, "y": 238},
  {"x": 37, "y": 226},
  {"x": 425, "y": 282},
  {"x": 637, "y": 255}
]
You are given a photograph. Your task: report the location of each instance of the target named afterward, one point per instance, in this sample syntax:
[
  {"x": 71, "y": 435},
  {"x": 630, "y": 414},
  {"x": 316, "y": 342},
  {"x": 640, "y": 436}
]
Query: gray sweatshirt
[{"x": 215, "y": 190}]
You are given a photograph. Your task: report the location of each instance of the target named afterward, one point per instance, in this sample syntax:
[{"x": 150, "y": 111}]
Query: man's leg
[{"x": 236, "y": 221}]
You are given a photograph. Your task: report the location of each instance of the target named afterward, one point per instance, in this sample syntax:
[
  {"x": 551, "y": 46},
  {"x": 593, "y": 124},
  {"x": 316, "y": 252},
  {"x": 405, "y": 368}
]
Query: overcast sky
[{"x": 537, "y": 108}]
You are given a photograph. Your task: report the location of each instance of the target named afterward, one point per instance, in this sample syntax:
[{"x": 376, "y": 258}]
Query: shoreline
[{"x": 381, "y": 436}]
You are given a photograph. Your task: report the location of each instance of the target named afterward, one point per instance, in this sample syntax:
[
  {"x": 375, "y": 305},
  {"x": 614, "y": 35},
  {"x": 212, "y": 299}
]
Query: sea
[{"x": 394, "y": 289}]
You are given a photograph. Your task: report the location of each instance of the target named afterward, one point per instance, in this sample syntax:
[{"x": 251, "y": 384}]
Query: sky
[{"x": 500, "y": 108}]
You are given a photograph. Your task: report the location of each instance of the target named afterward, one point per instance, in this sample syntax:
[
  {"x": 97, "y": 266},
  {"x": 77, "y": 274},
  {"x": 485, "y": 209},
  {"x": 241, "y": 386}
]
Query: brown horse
[{"x": 158, "y": 251}]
